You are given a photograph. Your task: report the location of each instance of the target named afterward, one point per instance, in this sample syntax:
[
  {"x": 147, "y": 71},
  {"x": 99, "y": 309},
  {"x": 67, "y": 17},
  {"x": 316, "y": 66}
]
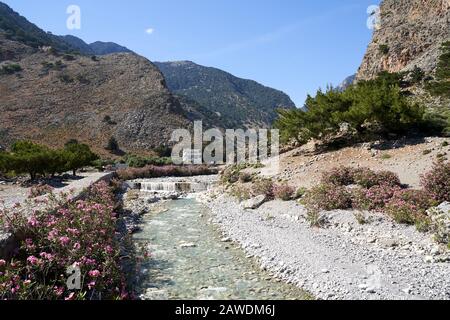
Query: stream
[{"x": 190, "y": 261}]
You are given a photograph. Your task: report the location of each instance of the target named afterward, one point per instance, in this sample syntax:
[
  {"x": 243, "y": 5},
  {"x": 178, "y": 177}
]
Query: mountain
[
  {"x": 347, "y": 82},
  {"x": 411, "y": 34},
  {"x": 96, "y": 48},
  {"x": 237, "y": 102},
  {"x": 103, "y": 48},
  {"x": 50, "y": 96},
  {"x": 16, "y": 27}
]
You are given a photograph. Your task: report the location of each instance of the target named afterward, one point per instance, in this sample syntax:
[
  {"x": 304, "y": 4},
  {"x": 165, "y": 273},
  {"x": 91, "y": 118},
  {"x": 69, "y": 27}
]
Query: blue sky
[{"x": 295, "y": 46}]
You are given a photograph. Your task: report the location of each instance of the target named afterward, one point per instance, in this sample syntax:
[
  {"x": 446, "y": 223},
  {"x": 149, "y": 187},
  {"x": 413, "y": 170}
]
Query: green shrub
[
  {"x": 437, "y": 181},
  {"x": 240, "y": 192},
  {"x": 300, "y": 193},
  {"x": 10, "y": 69},
  {"x": 327, "y": 197},
  {"x": 263, "y": 187},
  {"x": 34, "y": 159},
  {"x": 417, "y": 75},
  {"x": 112, "y": 145},
  {"x": 441, "y": 87},
  {"x": 65, "y": 78},
  {"x": 383, "y": 48},
  {"x": 136, "y": 161},
  {"x": 368, "y": 107},
  {"x": 78, "y": 156}
]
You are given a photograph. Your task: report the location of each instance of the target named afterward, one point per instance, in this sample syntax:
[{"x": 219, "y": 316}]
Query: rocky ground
[
  {"x": 409, "y": 158},
  {"x": 345, "y": 260}
]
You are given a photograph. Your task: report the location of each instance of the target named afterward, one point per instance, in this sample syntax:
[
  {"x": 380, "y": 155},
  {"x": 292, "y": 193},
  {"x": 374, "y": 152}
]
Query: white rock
[{"x": 254, "y": 203}]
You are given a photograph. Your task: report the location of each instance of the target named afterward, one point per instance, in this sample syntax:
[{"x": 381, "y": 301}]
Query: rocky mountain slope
[
  {"x": 52, "y": 100},
  {"x": 411, "y": 34},
  {"x": 18, "y": 28},
  {"x": 56, "y": 88},
  {"x": 237, "y": 102}
]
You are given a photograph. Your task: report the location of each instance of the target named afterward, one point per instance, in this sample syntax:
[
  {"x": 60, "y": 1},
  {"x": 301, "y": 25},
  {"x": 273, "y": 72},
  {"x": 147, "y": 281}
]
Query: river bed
[{"x": 190, "y": 261}]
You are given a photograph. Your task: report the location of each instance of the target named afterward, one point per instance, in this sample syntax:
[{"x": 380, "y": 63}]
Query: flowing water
[{"x": 189, "y": 261}]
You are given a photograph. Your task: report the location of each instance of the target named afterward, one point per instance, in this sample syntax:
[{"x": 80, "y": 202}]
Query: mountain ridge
[{"x": 245, "y": 103}]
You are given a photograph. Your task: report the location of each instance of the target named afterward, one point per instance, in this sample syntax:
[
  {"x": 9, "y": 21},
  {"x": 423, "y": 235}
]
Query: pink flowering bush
[
  {"x": 164, "y": 171},
  {"x": 437, "y": 182},
  {"x": 365, "y": 177},
  {"x": 409, "y": 206},
  {"x": 374, "y": 198},
  {"x": 39, "y": 190},
  {"x": 283, "y": 192},
  {"x": 342, "y": 176},
  {"x": 81, "y": 233},
  {"x": 327, "y": 197}
]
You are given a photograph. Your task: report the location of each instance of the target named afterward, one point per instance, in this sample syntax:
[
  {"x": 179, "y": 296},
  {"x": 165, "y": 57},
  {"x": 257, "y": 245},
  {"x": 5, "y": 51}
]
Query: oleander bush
[
  {"x": 164, "y": 171},
  {"x": 341, "y": 176},
  {"x": 409, "y": 206},
  {"x": 437, "y": 181},
  {"x": 364, "y": 177},
  {"x": 374, "y": 198},
  {"x": 39, "y": 190},
  {"x": 328, "y": 197},
  {"x": 367, "y": 178},
  {"x": 81, "y": 234}
]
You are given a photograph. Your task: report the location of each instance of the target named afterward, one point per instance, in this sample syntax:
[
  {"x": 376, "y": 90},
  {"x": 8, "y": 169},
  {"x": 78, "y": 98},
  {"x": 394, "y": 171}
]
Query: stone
[
  {"x": 254, "y": 203},
  {"x": 187, "y": 245}
]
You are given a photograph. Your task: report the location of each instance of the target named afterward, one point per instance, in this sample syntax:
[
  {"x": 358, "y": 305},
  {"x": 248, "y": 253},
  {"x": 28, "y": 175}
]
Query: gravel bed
[{"x": 345, "y": 260}]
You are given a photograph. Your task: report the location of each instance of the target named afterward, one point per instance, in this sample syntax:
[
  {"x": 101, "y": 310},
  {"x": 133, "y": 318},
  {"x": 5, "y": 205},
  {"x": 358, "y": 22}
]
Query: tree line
[{"x": 26, "y": 157}]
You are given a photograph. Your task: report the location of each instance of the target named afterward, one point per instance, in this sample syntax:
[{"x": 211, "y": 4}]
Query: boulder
[
  {"x": 440, "y": 217},
  {"x": 254, "y": 203}
]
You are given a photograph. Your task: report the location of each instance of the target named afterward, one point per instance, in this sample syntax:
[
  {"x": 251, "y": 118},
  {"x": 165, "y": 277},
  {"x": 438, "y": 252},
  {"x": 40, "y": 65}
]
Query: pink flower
[
  {"x": 94, "y": 273},
  {"x": 33, "y": 222},
  {"x": 77, "y": 246},
  {"x": 64, "y": 240},
  {"x": 2, "y": 262},
  {"x": 58, "y": 291},
  {"x": 91, "y": 285},
  {"x": 70, "y": 297},
  {"x": 32, "y": 260},
  {"x": 52, "y": 234}
]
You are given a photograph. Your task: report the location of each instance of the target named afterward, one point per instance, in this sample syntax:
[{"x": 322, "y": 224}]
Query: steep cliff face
[{"x": 411, "y": 34}]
